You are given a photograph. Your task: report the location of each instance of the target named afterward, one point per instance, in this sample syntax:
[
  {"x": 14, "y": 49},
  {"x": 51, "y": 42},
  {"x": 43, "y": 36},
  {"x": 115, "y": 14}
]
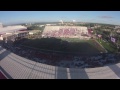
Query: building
[
  {"x": 48, "y": 24},
  {"x": 116, "y": 27},
  {"x": 12, "y": 30},
  {"x": 41, "y": 25},
  {"x": 32, "y": 32}
]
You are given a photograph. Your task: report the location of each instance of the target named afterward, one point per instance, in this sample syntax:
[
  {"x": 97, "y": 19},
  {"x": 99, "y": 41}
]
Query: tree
[{"x": 33, "y": 27}]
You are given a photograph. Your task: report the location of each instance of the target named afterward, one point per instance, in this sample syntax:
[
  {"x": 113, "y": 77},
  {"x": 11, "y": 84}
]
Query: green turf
[
  {"x": 108, "y": 46},
  {"x": 66, "y": 45}
]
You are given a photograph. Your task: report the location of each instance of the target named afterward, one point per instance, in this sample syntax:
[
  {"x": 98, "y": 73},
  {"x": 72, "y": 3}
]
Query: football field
[{"x": 70, "y": 45}]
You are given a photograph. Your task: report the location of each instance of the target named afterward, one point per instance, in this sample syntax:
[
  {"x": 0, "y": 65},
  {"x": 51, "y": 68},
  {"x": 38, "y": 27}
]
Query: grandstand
[
  {"x": 65, "y": 31},
  {"x": 12, "y": 30}
]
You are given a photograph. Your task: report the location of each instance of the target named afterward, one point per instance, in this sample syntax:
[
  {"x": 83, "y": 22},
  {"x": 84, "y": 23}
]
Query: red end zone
[{"x": 2, "y": 75}]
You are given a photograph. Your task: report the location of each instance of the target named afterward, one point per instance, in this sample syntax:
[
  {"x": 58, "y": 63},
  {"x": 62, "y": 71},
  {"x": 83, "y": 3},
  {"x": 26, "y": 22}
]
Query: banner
[
  {"x": 99, "y": 35},
  {"x": 113, "y": 39}
]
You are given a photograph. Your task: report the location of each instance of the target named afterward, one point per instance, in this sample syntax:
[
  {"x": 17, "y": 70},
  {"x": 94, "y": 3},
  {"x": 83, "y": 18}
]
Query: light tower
[
  {"x": 61, "y": 21},
  {"x": 74, "y": 22}
]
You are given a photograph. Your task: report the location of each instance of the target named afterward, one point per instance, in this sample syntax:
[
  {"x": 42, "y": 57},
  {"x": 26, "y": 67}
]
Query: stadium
[{"x": 61, "y": 52}]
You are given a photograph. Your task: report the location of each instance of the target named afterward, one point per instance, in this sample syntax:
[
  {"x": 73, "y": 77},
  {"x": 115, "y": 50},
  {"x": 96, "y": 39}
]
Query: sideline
[{"x": 101, "y": 46}]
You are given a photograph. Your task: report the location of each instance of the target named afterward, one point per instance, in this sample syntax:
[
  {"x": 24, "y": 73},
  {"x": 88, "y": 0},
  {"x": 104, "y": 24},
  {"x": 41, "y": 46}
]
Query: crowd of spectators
[{"x": 64, "y": 32}]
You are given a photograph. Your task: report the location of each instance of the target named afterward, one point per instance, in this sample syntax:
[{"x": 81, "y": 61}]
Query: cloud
[{"x": 107, "y": 17}]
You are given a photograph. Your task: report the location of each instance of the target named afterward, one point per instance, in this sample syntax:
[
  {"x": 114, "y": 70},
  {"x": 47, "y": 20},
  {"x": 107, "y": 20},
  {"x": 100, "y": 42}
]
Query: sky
[{"x": 14, "y": 17}]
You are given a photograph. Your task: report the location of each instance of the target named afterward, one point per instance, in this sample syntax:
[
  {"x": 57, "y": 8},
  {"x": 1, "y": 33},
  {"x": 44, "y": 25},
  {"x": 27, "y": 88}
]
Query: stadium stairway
[{"x": 16, "y": 67}]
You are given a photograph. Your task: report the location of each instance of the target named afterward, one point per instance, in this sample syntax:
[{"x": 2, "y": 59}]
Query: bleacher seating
[
  {"x": 63, "y": 31},
  {"x": 18, "y": 67}
]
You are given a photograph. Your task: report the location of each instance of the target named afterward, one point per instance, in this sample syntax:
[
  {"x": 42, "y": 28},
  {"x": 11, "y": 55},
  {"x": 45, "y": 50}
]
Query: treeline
[
  {"x": 107, "y": 26},
  {"x": 33, "y": 27}
]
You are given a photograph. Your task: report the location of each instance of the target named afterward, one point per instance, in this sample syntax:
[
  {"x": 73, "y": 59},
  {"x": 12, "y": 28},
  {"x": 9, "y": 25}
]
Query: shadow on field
[{"x": 63, "y": 45}]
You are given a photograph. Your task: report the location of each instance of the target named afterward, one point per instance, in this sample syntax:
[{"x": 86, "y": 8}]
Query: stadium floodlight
[
  {"x": 61, "y": 21},
  {"x": 74, "y": 20}
]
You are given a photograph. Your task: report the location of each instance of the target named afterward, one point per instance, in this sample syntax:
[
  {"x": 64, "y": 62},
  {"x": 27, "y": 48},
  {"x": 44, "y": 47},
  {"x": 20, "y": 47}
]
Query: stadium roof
[{"x": 9, "y": 29}]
